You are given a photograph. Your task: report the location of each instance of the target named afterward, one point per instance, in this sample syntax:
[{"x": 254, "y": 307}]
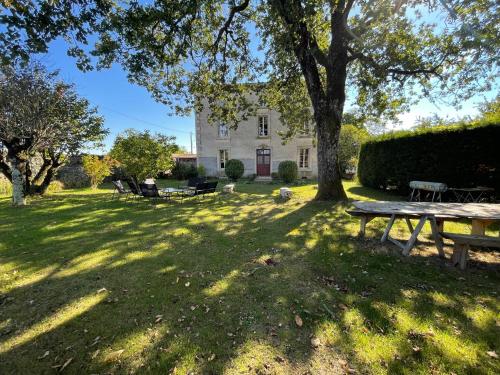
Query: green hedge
[{"x": 459, "y": 156}]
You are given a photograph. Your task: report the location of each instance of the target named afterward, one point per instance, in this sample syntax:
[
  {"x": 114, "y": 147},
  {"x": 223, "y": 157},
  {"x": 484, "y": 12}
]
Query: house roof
[{"x": 184, "y": 156}]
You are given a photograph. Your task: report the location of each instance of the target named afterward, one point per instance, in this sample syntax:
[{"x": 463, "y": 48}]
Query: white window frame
[
  {"x": 221, "y": 160},
  {"x": 304, "y": 158},
  {"x": 219, "y": 133},
  {"x": 261, "y": 127},
  {"x": 305, "y": 131}
]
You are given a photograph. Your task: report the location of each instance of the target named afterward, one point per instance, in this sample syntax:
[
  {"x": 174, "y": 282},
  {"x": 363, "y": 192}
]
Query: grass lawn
[{"x": 247, "y": 284}]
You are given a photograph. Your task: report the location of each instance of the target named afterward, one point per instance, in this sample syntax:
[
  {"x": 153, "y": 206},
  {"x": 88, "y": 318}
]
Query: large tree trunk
[
  {"x": 329, "y": 176},
  {"x": 18, "y": 181}
]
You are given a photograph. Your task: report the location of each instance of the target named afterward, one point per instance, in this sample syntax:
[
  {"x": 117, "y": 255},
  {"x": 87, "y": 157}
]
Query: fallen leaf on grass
[
  {"x": 65, "y": 365},
  {"x": 102, "y": 290},
  {"x": 95, "y": 354},
  {"x": 271, "y": 262},
  {"x": 492, "y": 354},
  {"x": 187, "y": 284},
  {"x": 315, "y": 342},
  {"x": 96, "y": 340},
  {"x": 159, "y": 318},
  {"x": 46, "y": 354},
  {"x": 211, "y": 358},
  {"x": 298, "y": 321},
  {"x": 113, "y": 356}
]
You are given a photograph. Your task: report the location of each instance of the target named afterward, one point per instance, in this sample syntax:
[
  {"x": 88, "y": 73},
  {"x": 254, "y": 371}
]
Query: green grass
[{"x": 128, "y": 287}]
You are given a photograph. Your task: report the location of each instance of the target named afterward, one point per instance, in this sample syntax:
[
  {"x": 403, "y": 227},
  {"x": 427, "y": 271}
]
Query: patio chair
[
  {"x": 150, "y": 191},
  {"x": 192, "y": 182},
  {"x": 134, "y": 188},
  {"x": 201, "y": 189},
  {"x": 119, "y": 190}
]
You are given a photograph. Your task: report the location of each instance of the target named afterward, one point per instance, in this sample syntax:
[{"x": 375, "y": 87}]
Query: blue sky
[{"x": 125, "y": 105}]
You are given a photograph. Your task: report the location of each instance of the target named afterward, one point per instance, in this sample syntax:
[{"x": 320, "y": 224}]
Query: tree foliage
[
  {"x": 98, "y": 168},
  {"x": 350, "y": 141},
  {"x": 41, "y": 116},
  {"x": 316, "y": 56},
  {"x": 142, "y": 154}
]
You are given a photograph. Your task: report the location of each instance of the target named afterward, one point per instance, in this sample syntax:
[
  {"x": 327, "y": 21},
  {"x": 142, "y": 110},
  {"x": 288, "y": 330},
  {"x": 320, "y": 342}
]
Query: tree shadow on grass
[{"x": 189, "y": 287}]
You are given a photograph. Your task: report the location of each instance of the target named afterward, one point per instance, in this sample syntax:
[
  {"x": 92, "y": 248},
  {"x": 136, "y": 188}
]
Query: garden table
[
  {"x": 480, "y": 214},
  {"x": 170, "y": 192},
  {"x": 468, "y": 195}
]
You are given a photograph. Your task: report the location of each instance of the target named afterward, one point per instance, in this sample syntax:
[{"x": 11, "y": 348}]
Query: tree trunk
[
  {"x": 18, "y": 182},
  {"x": 329, "y": 176},
  {"x": 49, "y": 175}
]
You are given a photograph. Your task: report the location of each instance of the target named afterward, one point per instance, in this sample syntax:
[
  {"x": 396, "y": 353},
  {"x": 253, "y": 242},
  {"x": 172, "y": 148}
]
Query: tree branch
[
  {"x": 225, "y": 28},
  {"x": 395, "y": 71}
]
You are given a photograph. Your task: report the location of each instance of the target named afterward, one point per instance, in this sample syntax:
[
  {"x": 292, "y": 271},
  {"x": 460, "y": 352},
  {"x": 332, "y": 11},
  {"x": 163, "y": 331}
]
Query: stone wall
[{"x": 72, "y": 174}]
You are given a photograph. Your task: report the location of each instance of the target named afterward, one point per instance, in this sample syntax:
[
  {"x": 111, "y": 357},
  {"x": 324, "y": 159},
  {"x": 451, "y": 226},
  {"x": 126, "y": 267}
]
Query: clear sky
[{"x": 125, "y": 105}]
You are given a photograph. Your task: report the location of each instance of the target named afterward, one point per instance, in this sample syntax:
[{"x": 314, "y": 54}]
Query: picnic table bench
[
  {"x": 464, "y": 241},
  {"x": 481, "y": 215}
]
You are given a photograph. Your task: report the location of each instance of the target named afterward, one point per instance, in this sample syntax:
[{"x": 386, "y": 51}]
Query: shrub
[
  {"x": 460, "y": 156},
  {"x": 234, "y": 169},
  {"x": 55, "y": 187},
  {"x": 191, "y": 171},
  {"x": 288, "y": 171},
  {"x": 202, "y": 172},
  {"x": 5, "y": 186},
  {"x": 182, "y": 171},
  {"x": 179, "y": 171},
  {"x": 275, "y": 175},
  {"x": 97, "y": 168}
]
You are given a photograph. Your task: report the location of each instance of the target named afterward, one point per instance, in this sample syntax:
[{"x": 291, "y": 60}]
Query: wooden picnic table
[{"x": 480, "y": 214}]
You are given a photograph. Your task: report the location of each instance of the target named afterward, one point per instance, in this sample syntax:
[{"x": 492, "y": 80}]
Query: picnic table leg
[
  {"x": 411, "y": 242},
  {"x": 437, "y": 237},
  {"x": 388, "y": 228},
  {"x": 410, "y": 226},
  {"x": 460, "y": 255},
  {"x": 478, "y": 227},
  {"x": 362, "y": 226}
]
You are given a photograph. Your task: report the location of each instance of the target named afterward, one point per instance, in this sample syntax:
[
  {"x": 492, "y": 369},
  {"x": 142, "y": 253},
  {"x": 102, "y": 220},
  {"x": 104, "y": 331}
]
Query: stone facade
[{"x": 215, "y": 143}]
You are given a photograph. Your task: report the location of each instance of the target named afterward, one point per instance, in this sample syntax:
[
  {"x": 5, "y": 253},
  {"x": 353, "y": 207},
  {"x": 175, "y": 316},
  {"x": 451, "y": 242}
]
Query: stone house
[{"x": 256, "y": 143}]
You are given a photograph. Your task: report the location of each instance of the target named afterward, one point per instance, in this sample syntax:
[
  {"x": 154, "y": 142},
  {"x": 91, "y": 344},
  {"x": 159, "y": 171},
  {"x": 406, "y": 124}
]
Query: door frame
[{"x": 263, "y": 147}]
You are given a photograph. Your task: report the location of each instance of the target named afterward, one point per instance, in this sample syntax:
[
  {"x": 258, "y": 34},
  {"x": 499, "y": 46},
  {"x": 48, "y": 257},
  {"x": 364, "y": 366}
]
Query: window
[
  {"x": 223, "y": 131},
  {"x": 223, "y": 157},
  {"x": 306, "y": 129},
  {"x": 304, "y": 158},
  {"x": 263, "y": 126}
]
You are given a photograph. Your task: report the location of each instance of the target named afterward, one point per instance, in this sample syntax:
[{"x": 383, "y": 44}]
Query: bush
[
  {"x": 288, "y": 171},
  {"x": 234, "y": 169},
  {"x": 202, "y": 172},
  {"x": 460, "y": 156},
  {"x": 5, "y": 186},
  {"x": 275, "y": 175},
  {"x": 191, "y": 171},
  {"x": 55, "y": 187},
  {"x": 97, "y": 168},
  {"x": 180, "y": 171}
]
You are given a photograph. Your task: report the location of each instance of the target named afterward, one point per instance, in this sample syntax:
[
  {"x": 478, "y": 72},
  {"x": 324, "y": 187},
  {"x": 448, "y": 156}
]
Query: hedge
[{"x": 459, "y": 156}]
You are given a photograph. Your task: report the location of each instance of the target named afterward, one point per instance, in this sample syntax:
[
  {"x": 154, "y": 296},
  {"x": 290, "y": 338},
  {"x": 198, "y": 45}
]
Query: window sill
[
  {"x": 222, "y": 139},
  {"x": 263, "y": 136}
]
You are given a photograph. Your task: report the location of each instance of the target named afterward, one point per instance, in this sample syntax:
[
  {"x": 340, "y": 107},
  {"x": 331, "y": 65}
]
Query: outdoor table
[
  {"x": 468, "y": 195},
  {"x": 480, "y": 214},
  {"x": 170, "y": 192}
]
